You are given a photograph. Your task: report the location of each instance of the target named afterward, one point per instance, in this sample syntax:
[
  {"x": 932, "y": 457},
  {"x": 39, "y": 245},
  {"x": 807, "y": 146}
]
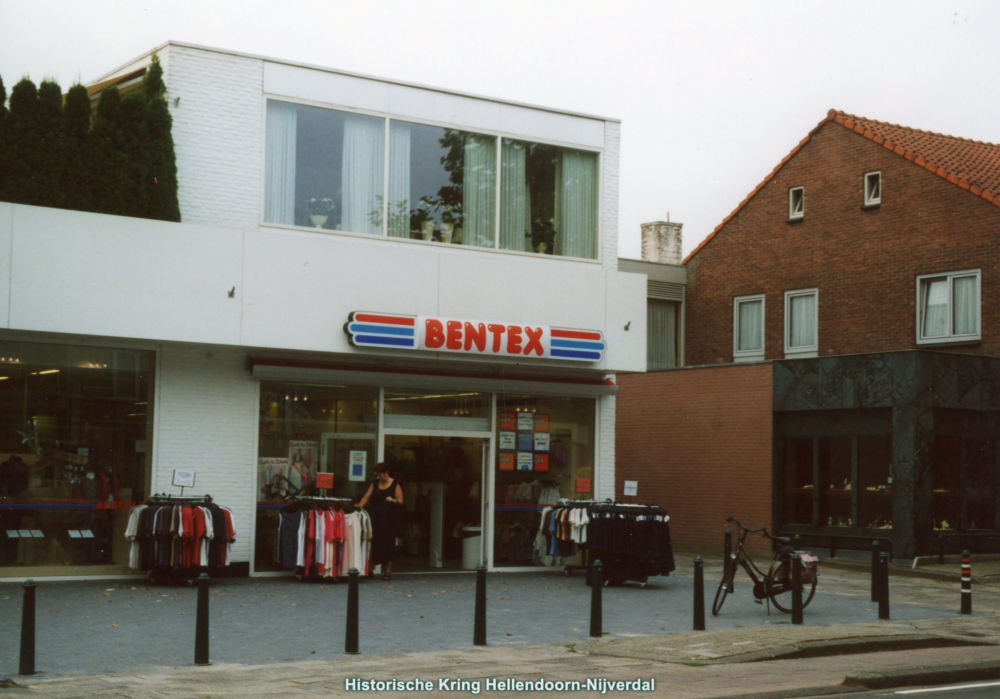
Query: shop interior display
[
  {"x": 323, "y": 538},
  {"x": 180, "y": 537}
]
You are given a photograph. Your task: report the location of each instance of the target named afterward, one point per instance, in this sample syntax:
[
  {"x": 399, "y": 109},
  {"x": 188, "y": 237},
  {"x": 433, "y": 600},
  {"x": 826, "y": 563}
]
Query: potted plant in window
[
  {"x": 451, "y": 216},
  {"x": 319, "y": 210},
  {"x": 422, "y": 216},
  {"x": 543, "y": 235}
]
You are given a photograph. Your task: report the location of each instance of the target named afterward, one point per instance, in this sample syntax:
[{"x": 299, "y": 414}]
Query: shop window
[
  {"x": 748, "y": 328},
  {"x": 457, "y": 411},
  {"x": 323, "y": 168},
  {"x": 948, "y": 307},
  {"x": 548, "y": 199},
  {"x": 661, "y": 333},
  {"x": 964, "y": 483},
  {"x": 75, "y": 445},
  {"x": 305, "y": 430},
  {"x": 835, "y": 481},
  {"x": 545, "y": 451},
  {"x": 442, "y": 185},
  {"x": 875, "y": 481},
  {"x": 798, "y": 481}
]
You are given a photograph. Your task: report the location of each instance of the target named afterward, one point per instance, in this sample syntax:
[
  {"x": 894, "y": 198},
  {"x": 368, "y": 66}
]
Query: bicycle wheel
[
  {"x": 781, "y": 593},
  {"x": 727, "y": 580}
]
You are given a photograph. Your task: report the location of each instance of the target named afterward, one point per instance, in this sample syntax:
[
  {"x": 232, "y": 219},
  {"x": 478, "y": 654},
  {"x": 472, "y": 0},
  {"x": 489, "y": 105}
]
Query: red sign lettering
[
  {"x": 497, "y": 330},
  {"x": 454, "y": 341},
  {"x": 435, "y": 334},
  {"x": 475, "y": 334},
  {"x": 513, "y": 339},
  {"x": 534, "y": 341}
]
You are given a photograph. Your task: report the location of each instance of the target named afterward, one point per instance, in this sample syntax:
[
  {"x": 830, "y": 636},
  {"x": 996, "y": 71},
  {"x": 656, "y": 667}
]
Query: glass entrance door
[{"x": 443, "y": 494}]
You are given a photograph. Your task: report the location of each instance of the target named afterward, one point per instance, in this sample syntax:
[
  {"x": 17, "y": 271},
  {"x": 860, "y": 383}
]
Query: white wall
[
  {"x": 91, "y": 274},
  {"x": 206, "y": 420}
]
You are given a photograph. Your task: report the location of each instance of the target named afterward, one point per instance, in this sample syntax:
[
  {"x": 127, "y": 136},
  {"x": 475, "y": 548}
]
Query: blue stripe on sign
[
  {"x": 575, "y": 354},
  {"x": 579, "y": 344},
  {"x": 380, "y": 329},
  {"x": 385, "y": 341}
]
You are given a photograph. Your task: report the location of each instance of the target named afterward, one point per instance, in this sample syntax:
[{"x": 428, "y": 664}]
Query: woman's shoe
[{"x": 386, "y": 576}]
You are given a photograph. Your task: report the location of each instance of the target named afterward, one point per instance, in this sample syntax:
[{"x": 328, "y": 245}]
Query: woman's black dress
[{"x": 385, "y": 523}]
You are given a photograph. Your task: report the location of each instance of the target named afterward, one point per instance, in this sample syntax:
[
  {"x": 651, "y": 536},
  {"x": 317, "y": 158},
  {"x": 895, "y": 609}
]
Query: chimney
[{"x": 661, "y": 242}]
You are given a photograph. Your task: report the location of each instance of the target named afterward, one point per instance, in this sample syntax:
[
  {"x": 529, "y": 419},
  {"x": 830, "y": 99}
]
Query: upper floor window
[
  {"x": 748, "y": 328},
  {"x": 873, "y": 188},
  {"x": 327, "y": 169},
  {"x": 662, "y": 323},
  {"x": 801, "y": 336},
  {"x": 948, "y": 307},
  {"x": 796, "y": 202}
]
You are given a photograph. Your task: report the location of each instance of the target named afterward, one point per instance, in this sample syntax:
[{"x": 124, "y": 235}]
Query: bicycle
[{"x": 766, "y": 586}]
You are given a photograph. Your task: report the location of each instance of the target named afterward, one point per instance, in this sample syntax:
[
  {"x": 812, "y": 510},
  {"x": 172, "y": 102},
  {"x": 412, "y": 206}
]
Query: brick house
[{"x": 852, "y": 298}]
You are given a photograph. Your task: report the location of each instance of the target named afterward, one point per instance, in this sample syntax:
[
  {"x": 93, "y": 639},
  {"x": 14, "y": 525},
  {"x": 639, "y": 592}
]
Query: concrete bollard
[
  {"x": 351, "y": 640},
  {"x": 876, "y": 547},
  {"x": 26, "y": 665},
  {"x": 201, "y": 623},
  {"x": 883, "y": 598},
  {"x": 596, "y": 608},
  {"x": 699, "y": 594},
  {"x": 966, "y": 582},
  {"x": 479, "y": 626},
  {"x": 796, "y": 588}
]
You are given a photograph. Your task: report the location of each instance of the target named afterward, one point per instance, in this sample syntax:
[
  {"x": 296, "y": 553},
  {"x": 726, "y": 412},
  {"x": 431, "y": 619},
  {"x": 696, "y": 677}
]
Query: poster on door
[
  {"x": 508, "y": 421},
  {"x": 526, "y": 422},
  {"x": 302, "y": 463},
  {"x": 541, "y": 441},
  {"x": 508, "y": 440},
  {"x": 271, "y": 473},
  {"x": 525, "y": 461},
  {"x": 357, "y": 466}
]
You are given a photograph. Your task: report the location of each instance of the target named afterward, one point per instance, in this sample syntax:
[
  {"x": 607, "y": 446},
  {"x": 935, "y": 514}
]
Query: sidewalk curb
[{"x": 944, "y": 674}]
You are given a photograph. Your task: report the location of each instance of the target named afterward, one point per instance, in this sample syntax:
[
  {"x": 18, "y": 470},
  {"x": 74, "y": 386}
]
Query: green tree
[
  {"x": 23, "y": 186},
  {"x": 78, "y": 189},
  {"x": 3, "y": 142},
  {"x": 52, "y": 134},
  {"x": 161, "y": 178},
  {"x": 134, "y": 129},
  {"x": 109, "y": 155}
]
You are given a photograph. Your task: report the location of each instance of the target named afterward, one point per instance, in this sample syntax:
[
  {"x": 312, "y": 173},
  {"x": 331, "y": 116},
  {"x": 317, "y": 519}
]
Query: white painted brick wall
[
  {"x": 206, "y": 414},
  {"x": 606, "y": 456},
  {"x": 612, "y": 156},
  {"x": 218, "y": 128}
]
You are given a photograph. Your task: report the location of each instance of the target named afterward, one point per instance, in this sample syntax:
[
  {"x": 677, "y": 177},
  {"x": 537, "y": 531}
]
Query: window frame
[
  {"x": 951, "y": 338},
  {"x": 794, "y": 215},
  {"x": 803, "y": 351},
  {"x": 870, "y": 200},
  {"x": 389, "y": 117},
  {"x": 749, "y": 355}
]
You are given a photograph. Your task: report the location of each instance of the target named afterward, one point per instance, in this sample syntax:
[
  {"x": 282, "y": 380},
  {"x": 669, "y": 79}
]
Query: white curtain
[
  {"x": 576, "y": 188},
  {"x": 279, "y": 163},
  {"x": 362, "y": 174},
  {"x": 479, "y": 190},
  {"x": 751, "y": 322},
  {"x": 935, "y": 307},
  {"x": 515, "y": 208},
  {"x": 399, "y": 180},
  {"x": 965, "y": 305},
  {"x": 803, "y": 321}
]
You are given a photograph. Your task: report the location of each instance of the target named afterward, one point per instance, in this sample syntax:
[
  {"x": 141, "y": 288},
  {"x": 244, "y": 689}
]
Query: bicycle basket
[{"x": 810, "y": 567}]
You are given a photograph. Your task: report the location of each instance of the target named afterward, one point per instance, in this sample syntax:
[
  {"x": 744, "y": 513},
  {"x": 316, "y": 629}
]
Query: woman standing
[{"x": 384, "y": 501}]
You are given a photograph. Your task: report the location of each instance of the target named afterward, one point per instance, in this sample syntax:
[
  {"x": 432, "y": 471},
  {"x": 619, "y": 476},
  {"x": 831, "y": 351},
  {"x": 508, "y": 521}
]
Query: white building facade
[{"x": 365, "y": 271}]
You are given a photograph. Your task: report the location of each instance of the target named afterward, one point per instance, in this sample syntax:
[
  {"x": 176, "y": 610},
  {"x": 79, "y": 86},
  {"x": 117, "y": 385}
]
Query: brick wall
[
  {"x": 206, "y": 421},
  {"x": 698, "y": 441},
  {"x": 864, "y": 262}
]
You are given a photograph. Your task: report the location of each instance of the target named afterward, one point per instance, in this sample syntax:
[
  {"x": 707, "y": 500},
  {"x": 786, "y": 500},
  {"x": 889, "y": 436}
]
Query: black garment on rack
[{"x": 633, "y": 543}]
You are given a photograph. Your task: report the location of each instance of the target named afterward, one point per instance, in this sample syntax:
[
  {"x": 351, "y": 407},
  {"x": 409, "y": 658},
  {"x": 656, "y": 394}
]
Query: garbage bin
[{"x": 471, "y": 539}]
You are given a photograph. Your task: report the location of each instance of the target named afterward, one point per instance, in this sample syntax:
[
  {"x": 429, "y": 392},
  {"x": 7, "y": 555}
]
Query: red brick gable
[{"x": 971, "y": 165}]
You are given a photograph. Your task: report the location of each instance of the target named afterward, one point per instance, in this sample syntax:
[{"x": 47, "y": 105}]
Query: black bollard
[
  {"x": 351, "y": 643},
  {"x": 875, "y": 570},
  {"x": 27, "y": 664},
  {"x": 727, "y": 554},
  {"x": 796, "y": 588},
  {"x": 479, "y": 630},
  {"x": 699, "y": 594},
  {"x": 883, "y": 598},
  {"x": 966, "y": 582},
  {"x": 596, "y": 609},
  {"x": 201, "y": 623}
]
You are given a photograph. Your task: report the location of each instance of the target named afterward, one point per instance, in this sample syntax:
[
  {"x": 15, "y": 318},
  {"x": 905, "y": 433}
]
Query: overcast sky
[{"x": 711, "y": 95}]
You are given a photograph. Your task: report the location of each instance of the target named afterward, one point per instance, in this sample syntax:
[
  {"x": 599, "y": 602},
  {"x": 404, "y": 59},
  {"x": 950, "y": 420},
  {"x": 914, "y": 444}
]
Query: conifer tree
[
  {"x": 161, "y": 179},
  {"x": 109, "y": 155},
  {"x": 78, "y": 152},
  {"x": 23, "y": 138},
  {"x": 135, "y": 143},
  {"x": 3, "y": 142},
  {"x": 52, "y": 133}
]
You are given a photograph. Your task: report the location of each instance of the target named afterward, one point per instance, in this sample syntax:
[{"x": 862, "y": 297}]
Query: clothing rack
[{"x": 165, "y": 499}]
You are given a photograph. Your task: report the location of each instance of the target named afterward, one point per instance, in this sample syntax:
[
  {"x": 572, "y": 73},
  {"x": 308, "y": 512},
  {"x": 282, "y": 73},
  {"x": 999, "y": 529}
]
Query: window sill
[
  {"x": 869, "y": 207},
  {"x": 745, "y": 359},
  {"x": 949, "y": 342},
  {"x": 807, "y": 354},
  {"x": 797, "y": 219}
]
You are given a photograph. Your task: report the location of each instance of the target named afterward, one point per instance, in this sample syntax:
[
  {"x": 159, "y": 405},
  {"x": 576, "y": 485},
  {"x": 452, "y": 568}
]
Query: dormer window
[
  {"x": 796, "y": 203},
  {"x": 873, "y": 188}
]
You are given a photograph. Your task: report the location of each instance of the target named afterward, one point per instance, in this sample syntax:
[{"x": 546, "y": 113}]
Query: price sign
[
  {"x": 631, "y": 488},
  {"x": 324, "y": 480},
  {"x": 583, "y": 485},
  {"x": 183, "y": 479}
]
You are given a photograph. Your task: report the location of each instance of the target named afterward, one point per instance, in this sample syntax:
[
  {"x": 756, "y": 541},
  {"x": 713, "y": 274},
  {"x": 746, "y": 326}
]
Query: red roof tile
[{"x": 972, "y": 165}]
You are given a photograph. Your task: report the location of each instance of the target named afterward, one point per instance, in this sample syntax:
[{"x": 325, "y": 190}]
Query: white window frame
[
  {"x": 951, "y": 338},
  {"x": 792, "y": 213},
  {"x": 869, "y": 199},
  {"x": 803, "y": 350},
  {"x": 748, "y": 355}
]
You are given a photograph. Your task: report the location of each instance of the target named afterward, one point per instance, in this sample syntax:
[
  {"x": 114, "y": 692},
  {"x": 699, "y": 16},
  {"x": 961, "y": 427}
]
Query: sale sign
[{"x": 369, "y": 329}]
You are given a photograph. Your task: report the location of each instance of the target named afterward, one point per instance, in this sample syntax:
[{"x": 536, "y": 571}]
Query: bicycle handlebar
[{"x": 762, "y": 530}]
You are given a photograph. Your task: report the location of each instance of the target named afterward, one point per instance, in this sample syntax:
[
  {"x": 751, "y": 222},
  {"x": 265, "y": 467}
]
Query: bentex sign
[{"x": 431, "y": 334}]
